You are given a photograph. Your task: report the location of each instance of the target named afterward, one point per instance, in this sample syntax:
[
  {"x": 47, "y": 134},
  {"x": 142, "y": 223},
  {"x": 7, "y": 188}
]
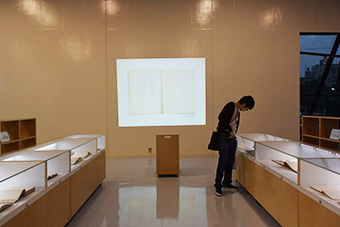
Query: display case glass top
[
  {"x": 261, "y": 137},
  {"x": 31, "y": 156},
  {"x": 329, "y": 164},
  {"x": 77, "y": 136},
  {"x": 64, "y": 144},
  {"x": 298, "y": 150},
  {"x": 99, "y": 137},
  {"x": 57, "y": 162},
  {"x": 246, "y": 141},
  {"x": 8, "y": 170},
  {"x": 22, "y": 174},
  {"x": 80, "y": 149},
  {"x": 320, "y": 178}
]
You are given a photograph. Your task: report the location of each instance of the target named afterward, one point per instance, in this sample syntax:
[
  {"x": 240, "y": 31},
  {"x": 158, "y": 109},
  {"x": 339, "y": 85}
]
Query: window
[{"x": 320, "y": 74}]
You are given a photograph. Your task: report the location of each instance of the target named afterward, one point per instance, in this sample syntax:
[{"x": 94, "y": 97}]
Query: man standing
[{"x": 228, "y": 122}]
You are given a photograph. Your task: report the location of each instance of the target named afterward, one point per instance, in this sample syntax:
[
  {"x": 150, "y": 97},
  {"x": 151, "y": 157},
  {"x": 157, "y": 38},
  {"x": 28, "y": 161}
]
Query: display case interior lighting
[
  {"x": 246, "y": 140},
  {"x": 100, "y": 139},
  {"x": 296, "y": 149},
  {"x": 320, "y": 149},
  {"x": 56, "y": 146},
  {"x": 14, "y": 158},
  {"x": 75, "y": 145},
  {"x": 52, "y": 146}
]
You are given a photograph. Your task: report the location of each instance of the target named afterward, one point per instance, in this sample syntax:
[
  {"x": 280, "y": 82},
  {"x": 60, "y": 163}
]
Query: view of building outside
[{"x": 315, "y": 52}]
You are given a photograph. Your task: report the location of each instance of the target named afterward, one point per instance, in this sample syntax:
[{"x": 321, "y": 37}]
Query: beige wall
[{"x": 57, "y": 62}]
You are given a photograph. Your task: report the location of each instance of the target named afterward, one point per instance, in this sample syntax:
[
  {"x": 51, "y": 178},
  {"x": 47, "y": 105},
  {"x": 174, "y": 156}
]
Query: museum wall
[{"x": 58, "y": 62}]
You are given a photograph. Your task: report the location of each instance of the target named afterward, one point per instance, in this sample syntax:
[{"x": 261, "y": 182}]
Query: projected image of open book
[
  {"x": 289, "y": 164},
  {"x": 161, "y": 92},
  {"x": 331, "y": 191}
]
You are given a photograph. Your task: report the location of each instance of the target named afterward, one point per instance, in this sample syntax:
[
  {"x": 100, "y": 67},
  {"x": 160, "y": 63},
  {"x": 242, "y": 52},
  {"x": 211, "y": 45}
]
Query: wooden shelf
[
  {"x": 310, "y": 126},
  {"x": 310, "y": 140},
  {"x": 8, "y": 147},
  {"x": 8, "y": 142},
  {"x": 317, "y": 129},
  {"x": 326, "y": 126},
  {"x": 330, "y": 140},
  {"x": 28, "y": 142},
  {"x": 22, "y": 133},
  {"x": 27, "y": 128},
  {"x": 12, "y": 128},
  {"x": 310, "y": 136},
  {"x": 28, "y": 138},
  {"x": 329, "y": 144}
]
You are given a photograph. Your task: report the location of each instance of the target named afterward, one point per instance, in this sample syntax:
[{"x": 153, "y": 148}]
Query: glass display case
[
  {"x": 312, "y": 172},
  {"x": 246, "y": 141},
  {"x": 320, "y": 178},
  {"x": 29, "y": 175},
  {"x": 76, "y": 145},
  {"x": 57, "y": 162},
  {"x": 284, "y": 157},
  {"x": 22, "y": 174},
  {"x": 20, "y": 182},
  {"x": 81, "y": 149},
  {"x": 100, "y": 139}
]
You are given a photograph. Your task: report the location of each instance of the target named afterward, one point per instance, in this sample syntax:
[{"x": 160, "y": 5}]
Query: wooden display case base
[
  {"x": 279, "y": 198},
  {"x": 85, "y": 181},
  {"x": 246, "y": 173},
  {"x": 311, "y": 213},
  {"x": 53, "y": 209}
]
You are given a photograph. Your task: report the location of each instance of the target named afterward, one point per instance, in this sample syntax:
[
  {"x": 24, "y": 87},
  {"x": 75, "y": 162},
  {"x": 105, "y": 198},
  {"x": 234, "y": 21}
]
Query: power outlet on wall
[{"x": 149, "y": 150}]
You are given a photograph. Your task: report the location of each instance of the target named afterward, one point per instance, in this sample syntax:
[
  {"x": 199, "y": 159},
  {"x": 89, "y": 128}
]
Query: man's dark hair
[{"x": 248, "y": 100}]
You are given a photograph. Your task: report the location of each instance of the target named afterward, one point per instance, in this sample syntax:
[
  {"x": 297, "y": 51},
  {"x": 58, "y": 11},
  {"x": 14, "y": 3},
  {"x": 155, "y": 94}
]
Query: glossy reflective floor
[{"x": 133, "y": 195}]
